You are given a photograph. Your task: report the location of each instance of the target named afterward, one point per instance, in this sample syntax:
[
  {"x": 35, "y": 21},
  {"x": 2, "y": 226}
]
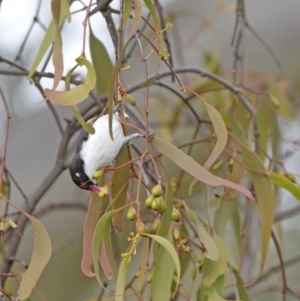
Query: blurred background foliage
[{"x": 226, "y": 52}]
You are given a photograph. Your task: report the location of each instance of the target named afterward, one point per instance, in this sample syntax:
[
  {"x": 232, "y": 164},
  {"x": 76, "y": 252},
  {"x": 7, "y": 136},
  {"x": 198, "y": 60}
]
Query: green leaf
[
  {"x": 221, "y": 133},
  {"x": 163, "y": 276},
  {"x": 102, "y": 63},
  {"x": 121, "y": 280},
  {"x": 119, "y": 186},
  {"x": 78, "y": 94},
  {"x": 170, "y": 249},
  {"x": 126, "y": 12},
  {"x": 138, "y": 11},
  {"x": 282, "y": 181},
  {"x": 92, "y": 217},
  {"x": 39, "y": 258},
  {"x": 213, "y": 295},
  {"x": 188, "y": 164},
  {"x": 212, "y": 269},
  {"x": 88, "y": 127},
  {"x": 102, "y": 228},
  {"x": 149, "y": 82},
  {"x": 243, "y": 294},
  {"x": 264, "y": 196},
  {"x": 153, "y": 13},
  {"x": 145, "y": 255},
  {"x": 211, "y": 249}
]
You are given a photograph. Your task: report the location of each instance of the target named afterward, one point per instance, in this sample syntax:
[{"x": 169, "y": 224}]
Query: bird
[{"x": 97, "y": 151}]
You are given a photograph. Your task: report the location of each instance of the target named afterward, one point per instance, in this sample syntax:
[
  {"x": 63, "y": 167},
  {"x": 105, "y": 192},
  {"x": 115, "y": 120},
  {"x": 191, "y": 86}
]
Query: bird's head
[{"x": 79, "y": 177}]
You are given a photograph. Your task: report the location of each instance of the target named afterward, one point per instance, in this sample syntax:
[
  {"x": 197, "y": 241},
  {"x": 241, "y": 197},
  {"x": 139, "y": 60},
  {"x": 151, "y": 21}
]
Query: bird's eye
[{"x": 77, "y": 174}]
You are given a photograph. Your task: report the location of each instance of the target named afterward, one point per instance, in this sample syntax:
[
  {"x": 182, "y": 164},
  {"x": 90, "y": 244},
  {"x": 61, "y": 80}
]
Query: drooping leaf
[
  {"x": 153, "y": 13},
  {"x": 221, "y": 133},
  {"x": 121, "y": 280},
  {"x": 212, "y": 269},
  {"x": 213, "y": 295},
  {"x": 145, "y": 254},
  {"x": 243, "y": 294},
  {"x": 50, "y": 35},
  {"x": 170, "y": 249},
  {"x": 138, "y": 10},
  {"x": 119, "y": 186},
  {"x": 211, "y": 249},
  {"x": 126, "y": 12},
  {"x": 188, "y": 164},
  {"x": 163, "y": 276},
  {"x": 264, "y": 196},
  {"x": 102, "y": 228},
  {"x": 40, "y": 256},
  {"x": 282, "y": 181},
  {"x": 102, "y": 63},
  {"x": 92, "y": 217},
  {"x": 78, "y": 94}
]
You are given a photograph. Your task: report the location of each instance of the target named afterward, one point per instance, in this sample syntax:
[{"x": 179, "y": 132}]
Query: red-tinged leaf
[
  {"x": 145, "y": 255},
  {"x": 138, "y": 10},
  {"x": 170, "y": 249},
  {"x": 50, "y": 35},
  {"x": 57, "y": 60},
  {"x": 104, "y": 263},
  {"x": 221, "y": 133},
  {"x": 102, "y": 228},
  {"x": 188, "y": 164},
  {"x": 212, "y": 269},
  {"x": 120, "y": 185},
  {"x": 111, "y": 271},
  {"x": 102, "y": 63},
  {"x": 283, "y": 182},
  {"x": 92, "y": 217},
  {"x": 78, "y": 94},
  {"x": 39, "y": 258},
  {"x": 120, "y": 288}
]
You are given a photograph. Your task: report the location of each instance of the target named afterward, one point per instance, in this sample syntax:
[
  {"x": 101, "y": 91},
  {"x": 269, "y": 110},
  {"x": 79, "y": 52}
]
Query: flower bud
[
  {"x": 155, "y": 225},
  {"x": 149, "y": 201},
  {"x": 176, "y": 216},
  {"x": 131, "y": 214},
  {"x": 156, "y": 191}
]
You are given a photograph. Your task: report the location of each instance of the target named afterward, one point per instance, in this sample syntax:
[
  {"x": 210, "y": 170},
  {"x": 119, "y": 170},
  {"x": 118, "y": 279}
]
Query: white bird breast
[{"x": 99, "y": 151}]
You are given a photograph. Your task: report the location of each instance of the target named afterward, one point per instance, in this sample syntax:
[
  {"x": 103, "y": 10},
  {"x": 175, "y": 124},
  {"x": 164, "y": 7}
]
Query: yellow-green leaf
[
  {"x": 211, "y": 249},
  {"x": 213, "y": 295},
  {"x": 170, "y": 249},
  {"x": 188, "y": 164},
  {"x": 145, "y": 255},
  {"x": 282, "y": 181},
  {"x": 126, "y": 12},
  {"x": 221, "y": 133},
  {"x": 243, "y": 294},
  {"x": 149, "y": 82},
  {"x": 102, "y": 63},
  {"x": 119, "y": 186},
  {"x": 153, "y": 13},
  {"x": 39, "y": 258},
  {"x": 88, "y": 127},
  {"x": 138, "y": 10},
  {"x": 163, "y": 276},
  {"x": 212, "y": 269},
  {"x": 121, "y": 280},
  {"x": 264, "y": 196},
  {"x": 78, "y": 94}
]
